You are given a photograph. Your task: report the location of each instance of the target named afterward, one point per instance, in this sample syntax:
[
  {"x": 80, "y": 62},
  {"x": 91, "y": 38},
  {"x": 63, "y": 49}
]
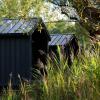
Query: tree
[
  {"x": 87, "y": 10},
  {"x": 19, "y": 8}
]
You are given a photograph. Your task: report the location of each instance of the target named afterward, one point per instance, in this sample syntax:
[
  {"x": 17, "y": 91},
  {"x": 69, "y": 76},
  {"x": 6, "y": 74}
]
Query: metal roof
[
  {"x": 60, "y": 39},
  {"x": 17, "y": 25}
]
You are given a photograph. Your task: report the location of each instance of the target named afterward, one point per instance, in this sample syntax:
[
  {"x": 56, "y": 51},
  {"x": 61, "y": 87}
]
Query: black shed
[
  {"x": 68, "y": 44},
  {"x": 20, "y": 43}
]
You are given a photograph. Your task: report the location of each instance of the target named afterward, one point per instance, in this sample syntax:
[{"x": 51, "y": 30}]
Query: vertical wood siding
[{"x": 15, "y": 58}]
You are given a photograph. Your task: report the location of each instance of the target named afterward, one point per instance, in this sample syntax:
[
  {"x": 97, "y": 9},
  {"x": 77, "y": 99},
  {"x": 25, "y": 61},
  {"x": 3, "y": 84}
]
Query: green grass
[{"x": 80, "y": 82}]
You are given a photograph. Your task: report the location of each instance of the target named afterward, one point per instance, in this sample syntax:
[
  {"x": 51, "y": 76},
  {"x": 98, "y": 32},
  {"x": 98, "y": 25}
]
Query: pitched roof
[
  {"x": 8, "y": 26},
  {"x": 60, "y": 39}
]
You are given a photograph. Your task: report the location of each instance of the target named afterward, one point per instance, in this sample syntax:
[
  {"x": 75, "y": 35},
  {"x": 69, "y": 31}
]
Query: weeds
[{"x": 80, "y": 82}]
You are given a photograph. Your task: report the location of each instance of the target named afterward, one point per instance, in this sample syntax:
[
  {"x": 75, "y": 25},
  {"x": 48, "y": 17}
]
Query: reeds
[{"x": 81, "y": 81}]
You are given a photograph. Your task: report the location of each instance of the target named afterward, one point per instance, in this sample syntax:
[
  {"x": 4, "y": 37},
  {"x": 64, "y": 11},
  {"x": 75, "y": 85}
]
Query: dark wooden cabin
[
  {"x": 68, "y": 44},
  {"x": 21, "y": 41}
]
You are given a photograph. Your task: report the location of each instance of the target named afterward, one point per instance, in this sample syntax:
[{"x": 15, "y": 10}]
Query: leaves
[{"x": 19, "y": 8}]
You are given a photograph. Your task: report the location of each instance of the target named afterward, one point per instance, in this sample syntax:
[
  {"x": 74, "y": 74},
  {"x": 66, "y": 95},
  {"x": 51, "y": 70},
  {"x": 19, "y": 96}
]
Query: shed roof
[
  {"x": 18, "y": 25},
  {"x": 60, "y": 39}
]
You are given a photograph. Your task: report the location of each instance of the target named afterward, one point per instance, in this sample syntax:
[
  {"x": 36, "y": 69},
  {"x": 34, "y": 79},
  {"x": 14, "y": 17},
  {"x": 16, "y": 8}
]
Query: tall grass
[{"x": 79, "y": 82}]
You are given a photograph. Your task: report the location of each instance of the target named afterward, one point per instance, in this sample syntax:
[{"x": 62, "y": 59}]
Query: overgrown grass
[{"x": 80, "y": 82}]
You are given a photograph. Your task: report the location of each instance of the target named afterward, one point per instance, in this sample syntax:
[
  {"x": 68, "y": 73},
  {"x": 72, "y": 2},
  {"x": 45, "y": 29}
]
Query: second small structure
[{"x": 68, "y": 44}]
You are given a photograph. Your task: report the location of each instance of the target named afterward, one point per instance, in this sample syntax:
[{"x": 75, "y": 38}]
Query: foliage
[
  {"x": 80, "y": 82},
  {"x": 69, "y": 28},
  {"x": 89, "y": 14},
  {"x": 88, "y": 21},
  {"x": 19, "y": 8},
  {"x": 61, "y": 27}
]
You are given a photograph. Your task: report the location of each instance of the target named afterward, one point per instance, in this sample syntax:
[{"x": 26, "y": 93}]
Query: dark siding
[
  {"x": 17, "y": 52},
  {"x": 15, "y": 58},
  {"x": 40, "y": 43}
]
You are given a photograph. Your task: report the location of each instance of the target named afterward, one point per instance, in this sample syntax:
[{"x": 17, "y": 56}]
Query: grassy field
[{"x": 80, "y": 82}]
